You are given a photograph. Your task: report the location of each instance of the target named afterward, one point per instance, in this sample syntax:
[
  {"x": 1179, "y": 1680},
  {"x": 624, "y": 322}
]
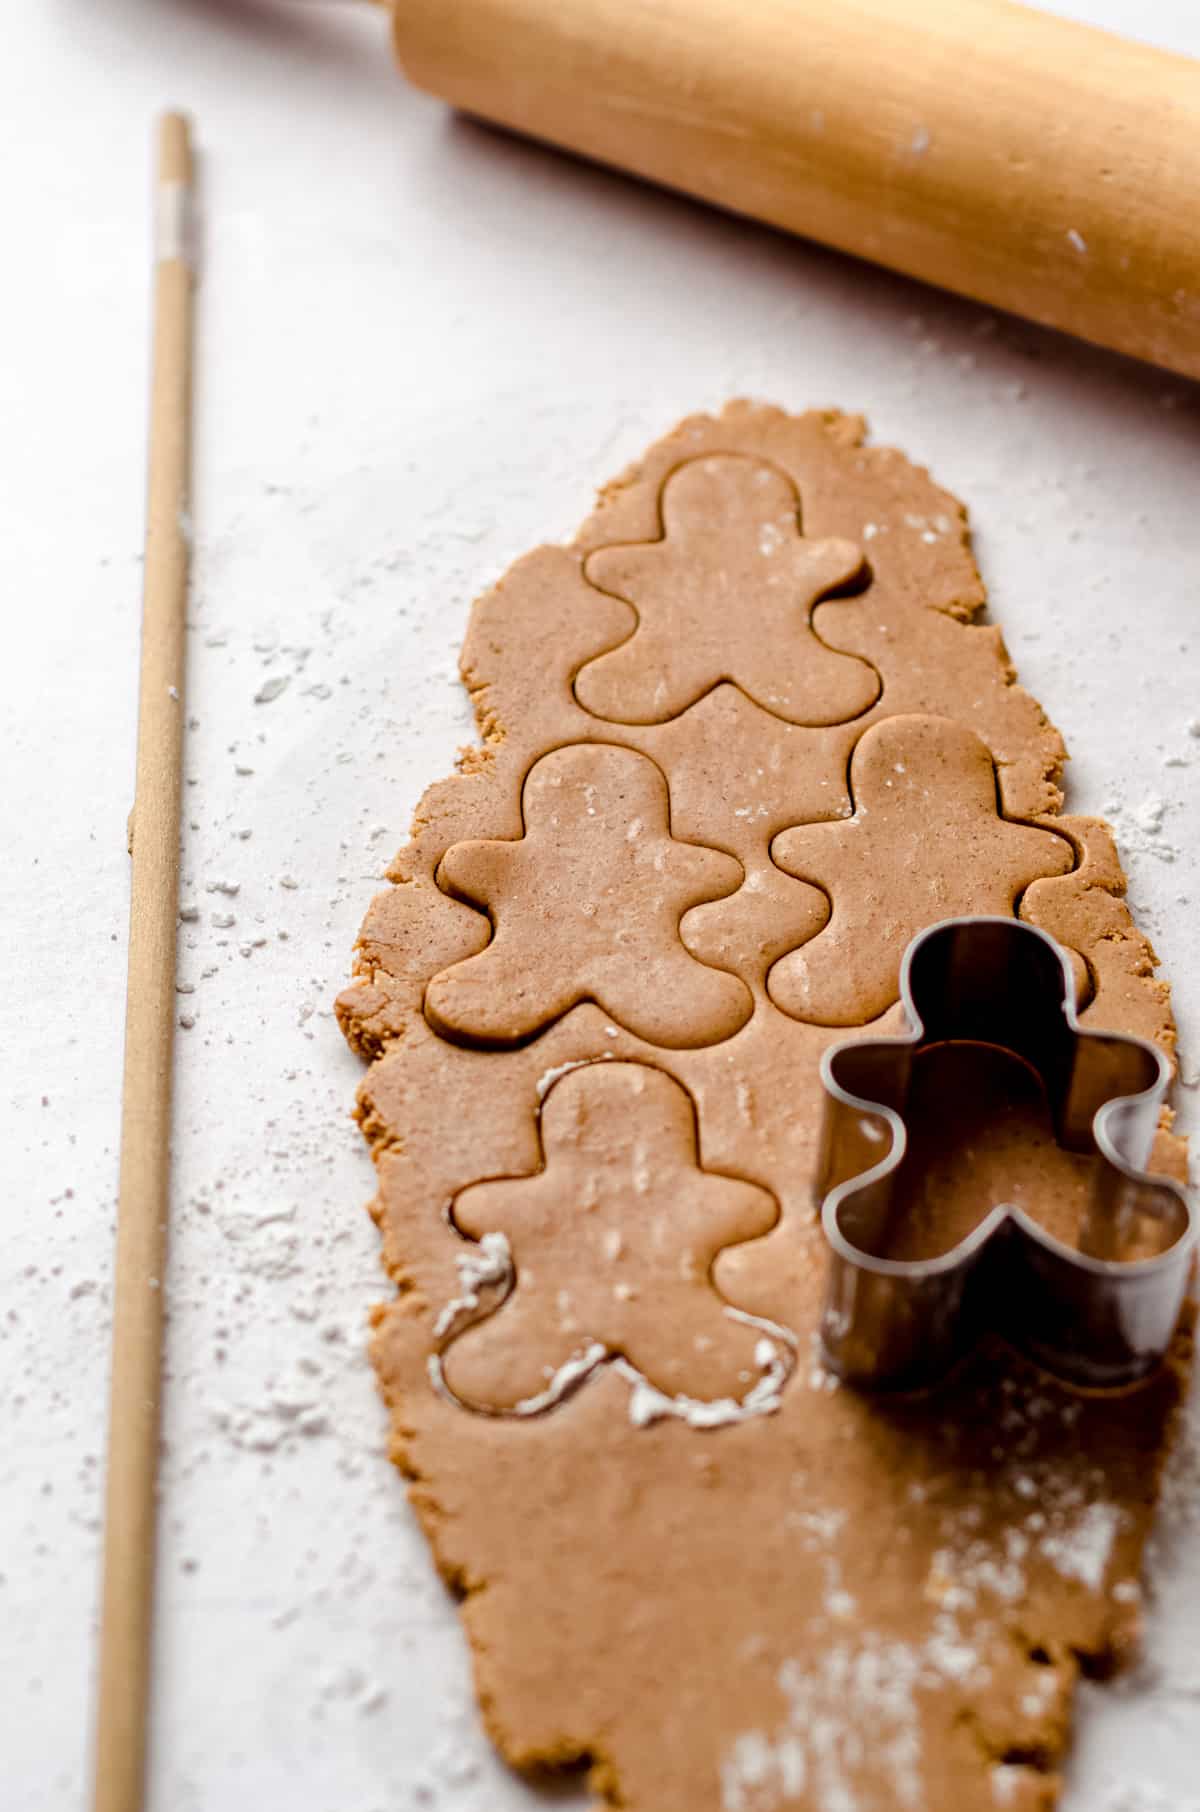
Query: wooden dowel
[
  {"x": 1021, "y": 159},
  {"x": 133, "y": 1437}
]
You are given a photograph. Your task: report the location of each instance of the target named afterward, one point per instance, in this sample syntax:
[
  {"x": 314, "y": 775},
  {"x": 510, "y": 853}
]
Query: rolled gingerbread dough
[{"x": 688, "y": 1560}]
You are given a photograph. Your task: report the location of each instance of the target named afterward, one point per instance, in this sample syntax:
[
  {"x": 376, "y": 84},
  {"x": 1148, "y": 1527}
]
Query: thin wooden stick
[{"x": 133, "y": 1439}]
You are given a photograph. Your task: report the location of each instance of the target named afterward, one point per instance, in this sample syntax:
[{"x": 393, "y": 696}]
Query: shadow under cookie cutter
[{"x": 1099, "y": 1317}]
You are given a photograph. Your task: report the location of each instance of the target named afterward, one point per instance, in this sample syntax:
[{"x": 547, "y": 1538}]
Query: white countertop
[{"x": 422, "y": 344}]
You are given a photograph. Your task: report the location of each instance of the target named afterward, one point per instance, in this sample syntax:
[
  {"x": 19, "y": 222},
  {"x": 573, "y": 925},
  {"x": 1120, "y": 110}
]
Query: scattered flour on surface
[
  {"x": 1008, "y": 1778},
  {"x": 266, "y": 1427},
  {"x": 485, "y": 1266},
  {"x": 1083, "y": 1553},
  {"x": 567, "y": 1378},
  {"x": 775, "y": 1356},
  {"x": 548, "y": 1078},
  {"x": 855, "y": 1711},
  {"x": 577, "y": 1369}
]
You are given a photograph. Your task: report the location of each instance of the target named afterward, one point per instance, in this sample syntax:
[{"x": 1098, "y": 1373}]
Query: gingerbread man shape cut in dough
[
  {"x": 926, "y": 842},
  {"x": 613, "y": 1243},
  {"x": 586, "y": 906},
  {"x": 726, "y": 594}
]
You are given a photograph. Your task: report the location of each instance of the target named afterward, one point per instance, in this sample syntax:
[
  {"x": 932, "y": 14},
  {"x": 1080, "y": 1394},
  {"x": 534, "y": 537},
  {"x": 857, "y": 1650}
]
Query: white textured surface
[{"x": 421, "y": 345}]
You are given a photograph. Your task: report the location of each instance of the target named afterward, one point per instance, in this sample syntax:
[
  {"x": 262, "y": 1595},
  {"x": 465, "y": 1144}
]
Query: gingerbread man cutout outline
[
  {"x": 613, "y": 1243},
  {"x": 586, "y": 906},
  {"x": 727, "y": 594}
]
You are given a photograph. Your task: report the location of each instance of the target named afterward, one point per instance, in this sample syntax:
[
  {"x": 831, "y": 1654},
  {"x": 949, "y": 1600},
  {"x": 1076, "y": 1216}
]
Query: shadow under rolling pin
[{"x": 1036, "y": 165}]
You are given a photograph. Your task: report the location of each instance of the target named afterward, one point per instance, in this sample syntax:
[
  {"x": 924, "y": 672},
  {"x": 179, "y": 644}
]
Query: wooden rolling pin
[{"x": 1035, "y": 165}]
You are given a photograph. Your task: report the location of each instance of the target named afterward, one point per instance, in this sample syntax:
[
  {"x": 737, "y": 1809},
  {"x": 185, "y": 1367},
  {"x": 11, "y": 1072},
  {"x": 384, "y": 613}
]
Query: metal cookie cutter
[{"x": 1100, "y": 1315}]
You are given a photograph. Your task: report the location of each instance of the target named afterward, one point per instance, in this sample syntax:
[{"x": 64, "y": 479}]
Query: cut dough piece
[
  {"x": 926, "y": 842},
  {"x": 586, "y": 906},
  {"x": 727, "y": 594},
  {"x": 613, "y": 1243}
]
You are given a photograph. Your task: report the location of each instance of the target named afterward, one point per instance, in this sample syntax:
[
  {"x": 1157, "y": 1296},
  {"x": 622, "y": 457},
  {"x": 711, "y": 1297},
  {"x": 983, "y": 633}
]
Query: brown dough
[
  {"x": 979, "y": 1132},
  {"x": 620, "y": 1214},
  {"x": 851, "y": 1601},
  {"x": 587, "y": 907},
  {"x": 925, "y": 843},
  {"x": 717, "y": 603}
]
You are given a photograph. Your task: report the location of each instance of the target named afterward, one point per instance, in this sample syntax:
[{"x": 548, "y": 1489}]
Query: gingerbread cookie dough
[
  {"x": 619, "y": 1214},
  {"x": 925, "y": 842},
  {"x": 586, "y": 906},
  {"x": 715, "y": 603},
  {"x": 691, "y": 1564}
]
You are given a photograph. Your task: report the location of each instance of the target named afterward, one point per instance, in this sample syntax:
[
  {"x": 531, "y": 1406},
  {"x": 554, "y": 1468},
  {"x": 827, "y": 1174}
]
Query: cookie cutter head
[{"x": 1101, "y": 1315}]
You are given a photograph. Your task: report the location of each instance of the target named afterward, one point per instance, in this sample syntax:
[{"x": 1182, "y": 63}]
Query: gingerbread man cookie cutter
[{"x": 1099, "y": 1315}]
